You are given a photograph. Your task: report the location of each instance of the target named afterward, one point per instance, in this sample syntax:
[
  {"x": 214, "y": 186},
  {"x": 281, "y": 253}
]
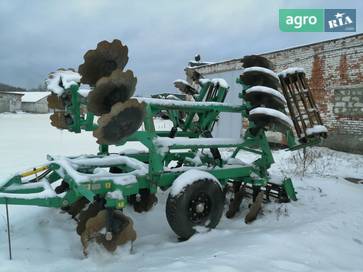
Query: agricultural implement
[{"x": 187, "y": 159}]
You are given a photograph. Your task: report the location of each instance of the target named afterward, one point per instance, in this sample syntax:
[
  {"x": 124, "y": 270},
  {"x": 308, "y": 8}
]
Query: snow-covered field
[{"x": 322, "y": 231}]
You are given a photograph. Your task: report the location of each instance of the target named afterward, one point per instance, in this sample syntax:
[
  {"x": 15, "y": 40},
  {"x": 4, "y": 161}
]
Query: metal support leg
[{"x": 8, "y": 226}]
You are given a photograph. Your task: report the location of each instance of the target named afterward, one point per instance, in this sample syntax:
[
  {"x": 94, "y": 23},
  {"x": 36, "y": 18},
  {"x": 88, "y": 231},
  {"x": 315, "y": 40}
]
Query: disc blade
[
  {"x": 185, "y": 87},
  {"x": 92, "y": 210},
  {"x": 123, "y": 231},
  {"x": 61, "y": 120},
  {"x": 118, "y": 87},
  {"x": 264, "y": 96},
  {"x": 254, "y": 209},
  {"x": 123, "y": 120},
  {"x": 91, "y": 227},
  {"x": 126, "y": 230},
  {"x": 121, "y": 227},
  {"x": 102, "y": 61},
  {"x": 263, "y": 117},
  {"x": 256, "y": 60},
  {"x": 77, "y": 207},
  {"x": 55, "y": 102},
  {"x": 259, "y": 76}
]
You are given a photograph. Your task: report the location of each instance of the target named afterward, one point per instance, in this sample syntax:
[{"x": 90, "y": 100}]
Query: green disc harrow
[{"x": 186, "y": 159}]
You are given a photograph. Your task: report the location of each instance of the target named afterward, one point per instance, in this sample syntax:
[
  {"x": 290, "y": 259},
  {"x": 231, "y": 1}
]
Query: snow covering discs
[
  {"x": 263, "y": 117},
  {"x": 259, "y": 76},
  {"x": 118, "y": 87},
  {"x": 266, "y": 102},
  {"x": 62, "y": 79},
  {"x": 256, "y": 60},
  {"x": 265, "y": 96},
  {"x": 102, "y": 61},
  {"x": 123, "y": 120}
]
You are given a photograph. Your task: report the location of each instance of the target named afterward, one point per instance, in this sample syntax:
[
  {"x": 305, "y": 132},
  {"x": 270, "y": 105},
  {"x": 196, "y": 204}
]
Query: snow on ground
[{"x": 322, "y": 231}]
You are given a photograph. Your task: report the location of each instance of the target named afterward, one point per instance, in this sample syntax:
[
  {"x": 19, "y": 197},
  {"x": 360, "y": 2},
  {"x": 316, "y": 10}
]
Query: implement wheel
[{"x": 200, "y": 203}]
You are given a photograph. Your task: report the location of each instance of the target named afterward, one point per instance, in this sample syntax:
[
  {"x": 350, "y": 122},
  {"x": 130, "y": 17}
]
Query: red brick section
[
  {"x": 317, "y": 83},
  {"x": 335, "y": 72},
  {"x": 343, "y": 69}
]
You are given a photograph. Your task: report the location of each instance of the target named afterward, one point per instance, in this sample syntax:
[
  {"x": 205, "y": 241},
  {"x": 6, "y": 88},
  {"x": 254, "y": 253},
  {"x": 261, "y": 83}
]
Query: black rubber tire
[{"x": 177, "y": 207}]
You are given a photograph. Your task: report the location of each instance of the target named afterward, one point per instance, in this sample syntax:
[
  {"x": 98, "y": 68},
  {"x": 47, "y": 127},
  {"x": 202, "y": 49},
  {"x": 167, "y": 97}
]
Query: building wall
[
  {"x": 40, "y": 106},
  {"x": 335, "y": 73},
  {"x": 10, "y": 102}
]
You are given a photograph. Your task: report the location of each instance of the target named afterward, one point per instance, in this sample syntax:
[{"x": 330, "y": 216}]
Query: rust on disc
[
  {"x": 61, "y": 120},
  {"x": 121, "y": 228},
  {"x": 77, "y": 207},
  {"x": 123, "y": 120},
  {"x": 107, "y": 57},
  {"x": 254, "y": 209},
  {"x": 256, "y": 60},
  {"x": 55, "y": 102},
  {"x": 91, "y": 211},
  {"x": 118, "y": 87}
]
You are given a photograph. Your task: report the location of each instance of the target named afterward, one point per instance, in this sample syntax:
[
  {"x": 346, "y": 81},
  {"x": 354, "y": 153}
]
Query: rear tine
[
  {"x": 301, "y": 104},
  {"x": 235, "y": 204},
  {"x": 255, "y": 208}
]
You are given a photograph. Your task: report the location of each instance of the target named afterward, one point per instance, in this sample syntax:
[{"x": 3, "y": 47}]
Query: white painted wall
[
  {"x": 10, "y": 102},
  {"x": 229, "y": 124},
  {"x": 40, "y": 106}
]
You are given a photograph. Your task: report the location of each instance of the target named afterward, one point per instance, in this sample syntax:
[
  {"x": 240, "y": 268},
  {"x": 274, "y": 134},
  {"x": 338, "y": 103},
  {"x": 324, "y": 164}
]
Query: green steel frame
[{"x": 208, "y": 105}]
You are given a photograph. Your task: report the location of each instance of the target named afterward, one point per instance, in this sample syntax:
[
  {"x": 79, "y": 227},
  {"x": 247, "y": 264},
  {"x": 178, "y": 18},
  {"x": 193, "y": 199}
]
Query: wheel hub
[{"x": 199, "y": 208}]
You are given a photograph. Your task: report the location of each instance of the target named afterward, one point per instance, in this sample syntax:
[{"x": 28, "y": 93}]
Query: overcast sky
[{"x": 37, "y": 37}]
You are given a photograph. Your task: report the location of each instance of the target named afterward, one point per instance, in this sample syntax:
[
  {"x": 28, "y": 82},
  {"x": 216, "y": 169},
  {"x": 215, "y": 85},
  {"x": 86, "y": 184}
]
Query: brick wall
[{"x": 335, "y": 72}]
